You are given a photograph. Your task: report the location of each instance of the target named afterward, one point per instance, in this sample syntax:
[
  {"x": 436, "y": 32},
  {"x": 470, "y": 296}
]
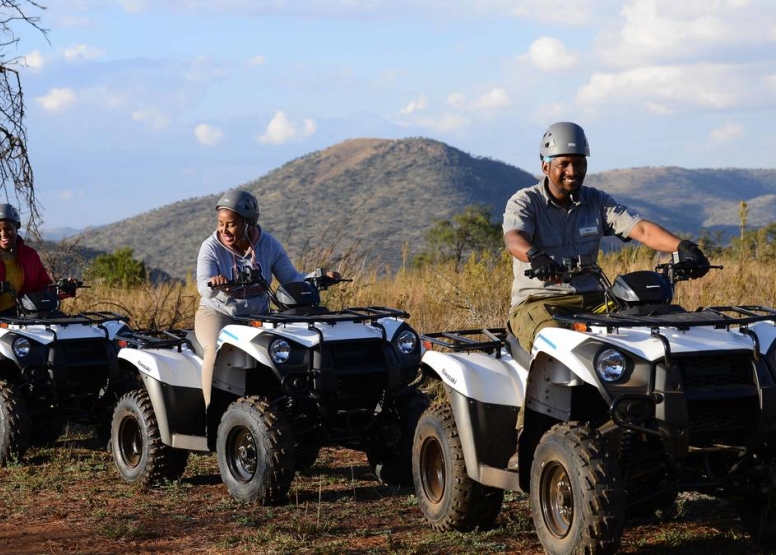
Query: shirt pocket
[
  {"x": 587, "y": 237},
  {"x": 550, "y": 240}
]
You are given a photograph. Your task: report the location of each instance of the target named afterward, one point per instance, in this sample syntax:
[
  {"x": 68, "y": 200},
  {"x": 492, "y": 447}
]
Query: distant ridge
[{"x": 379, "y": 194}]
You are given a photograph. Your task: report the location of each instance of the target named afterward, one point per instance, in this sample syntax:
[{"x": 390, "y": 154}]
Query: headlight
[
  {"x": 279, "y": 351},
  {"x": 610, "y": 365},
  {"x": 21, "y": 347},
  {"x": 407, "y": 341}
]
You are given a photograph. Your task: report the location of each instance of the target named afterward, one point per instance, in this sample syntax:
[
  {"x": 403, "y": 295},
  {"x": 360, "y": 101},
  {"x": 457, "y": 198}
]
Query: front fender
[
  {"x": 498, "y": 381},
  {"x": 242, "y": 339},
  {"x": 168, "y": 366}
]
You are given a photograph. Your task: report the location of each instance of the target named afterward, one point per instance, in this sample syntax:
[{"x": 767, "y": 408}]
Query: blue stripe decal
[
  {"x": 224, "y": 332},
  {"x": 550, "y": 343}
]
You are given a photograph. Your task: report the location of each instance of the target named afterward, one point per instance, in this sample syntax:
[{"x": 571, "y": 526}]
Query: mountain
[
  {"x": 376, "y": 196},
  {"x": 685, "y": 200},
  {"x": 59, "y": 233},
  {"x": 369, "y": 195}
]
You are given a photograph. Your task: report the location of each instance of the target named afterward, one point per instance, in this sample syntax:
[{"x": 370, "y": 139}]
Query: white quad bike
[
  {"x": 285, "y": 384},
  {"x": 624, "y": 409},
  {"x": 56, "y": 368}
]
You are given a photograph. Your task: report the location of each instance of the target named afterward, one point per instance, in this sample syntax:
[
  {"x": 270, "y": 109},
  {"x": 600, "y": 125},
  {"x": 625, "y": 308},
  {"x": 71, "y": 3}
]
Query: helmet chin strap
[{"x": 563, "y": 193}]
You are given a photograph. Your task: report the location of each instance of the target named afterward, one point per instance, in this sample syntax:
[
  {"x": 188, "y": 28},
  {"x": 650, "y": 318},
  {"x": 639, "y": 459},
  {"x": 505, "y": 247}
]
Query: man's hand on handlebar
[
  {"x": 696, "y": 263},
  {"x": 543, "y": 266}
]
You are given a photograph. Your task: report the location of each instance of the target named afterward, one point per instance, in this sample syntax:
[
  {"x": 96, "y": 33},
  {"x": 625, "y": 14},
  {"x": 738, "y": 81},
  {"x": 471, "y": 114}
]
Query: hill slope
[
  {"x": 377, "y": 195},
  {"x": 372, "y": 193}
]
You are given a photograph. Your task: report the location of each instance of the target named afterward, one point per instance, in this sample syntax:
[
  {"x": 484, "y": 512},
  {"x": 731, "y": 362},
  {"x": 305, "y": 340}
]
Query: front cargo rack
[
  {"x": 325, "y": 316},
  {"x": 64, "y": 320},
  {"x": 713, "y": 316}
]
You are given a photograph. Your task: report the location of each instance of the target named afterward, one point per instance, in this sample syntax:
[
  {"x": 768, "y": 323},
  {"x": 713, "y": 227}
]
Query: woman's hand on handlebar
[{"x": 217, "y": 282}]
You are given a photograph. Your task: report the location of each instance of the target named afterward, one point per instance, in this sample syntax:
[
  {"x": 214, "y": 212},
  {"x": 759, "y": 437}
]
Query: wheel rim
[
  {"x": 242, "y": 455},
  {"x": 557, "y": 499},
  {"x": 432, "y": 470},
  {"x": 130, "y": 439}
]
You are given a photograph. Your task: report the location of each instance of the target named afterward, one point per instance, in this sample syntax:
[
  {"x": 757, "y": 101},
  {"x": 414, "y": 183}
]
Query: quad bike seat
[
  {"x": 191, "y": 337},
  {"x": 514, "y": 348}
]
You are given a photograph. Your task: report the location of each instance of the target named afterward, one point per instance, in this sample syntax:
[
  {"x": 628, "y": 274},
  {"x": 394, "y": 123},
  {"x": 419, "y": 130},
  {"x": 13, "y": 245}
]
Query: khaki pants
[
  {"x": 208, "y": 323},
  {"x": 535, "y": 313}
]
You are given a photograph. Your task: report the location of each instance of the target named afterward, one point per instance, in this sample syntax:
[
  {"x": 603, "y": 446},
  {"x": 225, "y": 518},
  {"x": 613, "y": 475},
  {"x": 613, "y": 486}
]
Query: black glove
[
  {"x": 543, "y": 267},
  {"x": 696, "y": 261}
]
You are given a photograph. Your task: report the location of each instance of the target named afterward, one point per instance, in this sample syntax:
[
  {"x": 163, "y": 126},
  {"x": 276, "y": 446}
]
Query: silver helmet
[
  {"x": 241, "y": 202},
  {"x": 563, "y": 138},
  {"x": 9, "y": 212}
]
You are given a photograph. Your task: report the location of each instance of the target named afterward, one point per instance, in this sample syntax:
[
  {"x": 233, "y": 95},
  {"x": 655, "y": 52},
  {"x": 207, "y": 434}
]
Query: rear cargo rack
[
  {"x": 323, "y": 316},
  {"x": 489, "y": 340},
  {"x": 154, "y": 339}
]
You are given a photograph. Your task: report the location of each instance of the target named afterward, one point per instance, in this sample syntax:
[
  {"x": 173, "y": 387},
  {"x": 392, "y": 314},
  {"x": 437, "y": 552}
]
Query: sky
[{"x": 135, "y": 104}]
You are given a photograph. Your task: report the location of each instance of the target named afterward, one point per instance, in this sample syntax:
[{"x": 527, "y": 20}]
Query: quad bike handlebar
[
  {"x": 322, "y": 281},
  {"x": 62, "y": 288},
  {"x": 254, "y": 276},
  {"x": 675, "y": 270}
]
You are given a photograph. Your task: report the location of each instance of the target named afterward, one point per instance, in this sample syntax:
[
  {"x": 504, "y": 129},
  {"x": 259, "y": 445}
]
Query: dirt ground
[{"x": 69, "y": 499}]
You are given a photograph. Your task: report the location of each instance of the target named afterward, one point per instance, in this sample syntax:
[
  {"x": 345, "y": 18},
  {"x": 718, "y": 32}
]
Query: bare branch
[{"x": 15, "y": 168}]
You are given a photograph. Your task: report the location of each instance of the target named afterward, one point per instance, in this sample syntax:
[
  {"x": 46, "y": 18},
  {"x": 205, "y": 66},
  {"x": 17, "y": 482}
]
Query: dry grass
[{"x": 438, "y": 297}]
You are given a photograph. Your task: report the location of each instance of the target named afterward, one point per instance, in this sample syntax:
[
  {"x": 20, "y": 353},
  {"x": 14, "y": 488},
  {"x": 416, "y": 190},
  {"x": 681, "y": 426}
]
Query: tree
[
  {"x": 468, "y": 232},
  {"x": 117, "y": 270},
  {"x": 15, "y": 168}
]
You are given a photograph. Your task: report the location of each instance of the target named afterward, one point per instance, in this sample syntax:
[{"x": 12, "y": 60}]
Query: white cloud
[
  {"x": 259, "y": 60},
  {"x": 457, "y": 100},
  {"x": 577, "y": 12},
  {"x": 208, "y": 135},
  {"x": 655, "y": 31},
  {"x": 79, "y": 52},
  {"x": 34, "y": 59},
  {"x": 155, "y": 119},
  {"x": 57, "y": 99},
  {"x": 202, "y": 70},
  {"x": 550, "y": 54},
  {"x": 135, "y": 6},
  {"x": 309, "y": 127},
  {"x": 556, "y": 111},
  {"x": 445, "y": 123},
  {"x": 68, "y": 20},
  {"x": 493, "y": 100},
  {"x": 715, "y": 86},
  {"x": 726, "y": 133},
  {"x": 421, "y": 103},
  {"x": 280, "y": 130}
]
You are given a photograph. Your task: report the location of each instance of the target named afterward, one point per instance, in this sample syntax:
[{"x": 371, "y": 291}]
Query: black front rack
[
  {"x": 713, "y": 316},
  {"x": 61, "y": 319},
  {"x": 488, "y": 340},
  {"x": 154, "y": 339},
  {"x": 355, "y": 314}
]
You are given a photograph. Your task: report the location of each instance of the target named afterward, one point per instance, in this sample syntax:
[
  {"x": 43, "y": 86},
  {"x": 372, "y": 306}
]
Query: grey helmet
[
  {"x": 9, "y": 212},
  {"x": 562, "y": 138},
  {"x": 242, "y": 202}
]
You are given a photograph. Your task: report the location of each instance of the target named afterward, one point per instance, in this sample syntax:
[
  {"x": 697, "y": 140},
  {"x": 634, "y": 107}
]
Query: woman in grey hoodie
[{"x": 237, "y": 244}]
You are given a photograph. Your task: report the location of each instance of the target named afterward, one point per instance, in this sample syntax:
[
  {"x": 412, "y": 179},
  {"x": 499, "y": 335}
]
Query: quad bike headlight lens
[
  {"x": 21, "y": 347},
  {"x": 407, "y": 341},
  {"x": 280, "y": 351},
  {"x": 610, "y": 365}
]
